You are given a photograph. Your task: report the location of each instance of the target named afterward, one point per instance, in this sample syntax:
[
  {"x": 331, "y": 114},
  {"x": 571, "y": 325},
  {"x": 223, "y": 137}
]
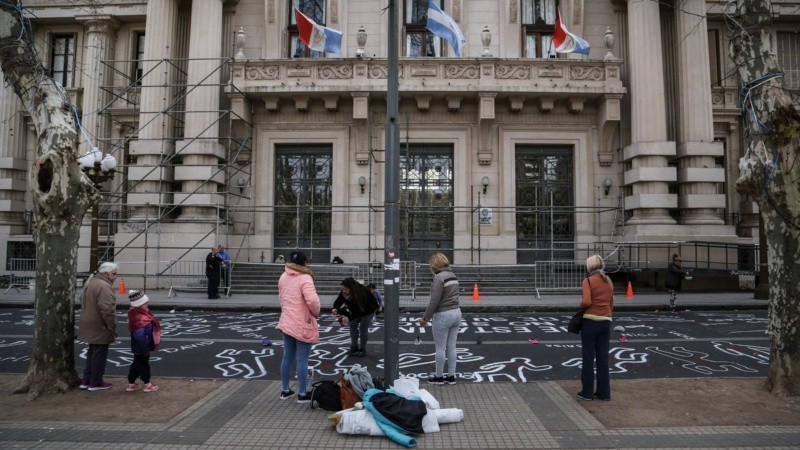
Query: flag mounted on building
[
  {"x": 567, "y": 42},
  {"x": 445, "y": 27},
  {"x": 317, "y": 37}
]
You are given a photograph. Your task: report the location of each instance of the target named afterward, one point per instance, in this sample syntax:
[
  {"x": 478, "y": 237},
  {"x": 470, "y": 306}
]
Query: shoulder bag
[{"x": 574, "y": 325}]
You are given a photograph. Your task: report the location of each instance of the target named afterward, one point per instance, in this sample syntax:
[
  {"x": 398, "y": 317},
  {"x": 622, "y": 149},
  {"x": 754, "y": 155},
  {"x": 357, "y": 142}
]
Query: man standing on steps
[
  {"x": 225, "y": 272},
  {"x": 213, "y": 265}
]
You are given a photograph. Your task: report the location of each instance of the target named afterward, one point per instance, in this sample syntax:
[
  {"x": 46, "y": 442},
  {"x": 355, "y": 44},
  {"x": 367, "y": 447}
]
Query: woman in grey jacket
[{"x": 443, "y": 308}]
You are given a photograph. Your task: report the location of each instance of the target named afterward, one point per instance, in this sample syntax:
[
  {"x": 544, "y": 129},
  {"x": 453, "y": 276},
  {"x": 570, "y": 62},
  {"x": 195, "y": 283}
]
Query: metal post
[
  {"x": 391, "y": 273},
  {"x": 93, "y": 251},
  {"x": 479, "y": 230},
  {"x": 146, "y": 227}
]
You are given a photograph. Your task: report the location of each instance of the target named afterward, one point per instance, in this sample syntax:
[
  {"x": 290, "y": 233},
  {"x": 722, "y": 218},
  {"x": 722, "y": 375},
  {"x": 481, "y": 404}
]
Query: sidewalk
[
  {"x": 246, "y": 414},
  {"x": 497, "y": 303}
]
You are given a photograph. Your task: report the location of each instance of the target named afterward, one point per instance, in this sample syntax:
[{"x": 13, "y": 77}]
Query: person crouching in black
[{"x": 359, "y": 306}]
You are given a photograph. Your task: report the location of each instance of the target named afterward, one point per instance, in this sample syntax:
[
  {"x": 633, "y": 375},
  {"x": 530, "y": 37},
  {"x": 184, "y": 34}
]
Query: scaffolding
[{"x": 121, "y": 112}]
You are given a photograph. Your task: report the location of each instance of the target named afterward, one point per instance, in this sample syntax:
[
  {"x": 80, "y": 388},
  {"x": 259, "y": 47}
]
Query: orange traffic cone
[
  {"x": 475, "y": 294},
  {"x": 629, "y": 294},
  {"x": 122, "y": 286}
]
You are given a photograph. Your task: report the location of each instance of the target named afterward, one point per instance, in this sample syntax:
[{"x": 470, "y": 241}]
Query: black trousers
[
  {"x": 140, "y": 368},
  {"x": 213, "y": 284},
  {"x": 96, "y": 358}
]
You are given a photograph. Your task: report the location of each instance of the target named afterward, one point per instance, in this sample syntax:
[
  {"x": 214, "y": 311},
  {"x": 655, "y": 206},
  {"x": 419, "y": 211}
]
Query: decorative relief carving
[
  {"x": 262, "y": 73},
  {"x": 457, "y": 10},
  {"x": 513, "y": 7},
  {"x": 334, "y": 11},
  {"x": 271, "y": 11},
  {"x": 576, "y": 12},
  {"x": 378, "y": 72},
  {"x": 341, "y": 72},
  {"x": 586, "y": 73},
  {"x": 508, "y": 72},
  {"x": 717, "y": 98},
  {"x": 463, "y": 72},
  {"x": 381, "y": 71}
]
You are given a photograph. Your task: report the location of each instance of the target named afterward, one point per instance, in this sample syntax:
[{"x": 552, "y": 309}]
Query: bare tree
[
  {"x": 61, "y": 196},
  {"x": 770, "y": 173}
]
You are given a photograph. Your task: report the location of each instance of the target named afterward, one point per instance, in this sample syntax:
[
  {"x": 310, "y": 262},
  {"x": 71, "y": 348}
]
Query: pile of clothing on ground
[{"x": 398, "y": 413}]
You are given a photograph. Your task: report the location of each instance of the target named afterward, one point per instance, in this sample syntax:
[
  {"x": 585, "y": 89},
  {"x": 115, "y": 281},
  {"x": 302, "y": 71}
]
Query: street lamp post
[{"x": 98, "y": 169}]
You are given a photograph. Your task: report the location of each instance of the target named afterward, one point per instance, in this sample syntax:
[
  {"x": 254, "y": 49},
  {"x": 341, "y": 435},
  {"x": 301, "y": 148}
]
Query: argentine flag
[
  {"x": 445, "y": 27},
  {"x": 316, "y": 37}
]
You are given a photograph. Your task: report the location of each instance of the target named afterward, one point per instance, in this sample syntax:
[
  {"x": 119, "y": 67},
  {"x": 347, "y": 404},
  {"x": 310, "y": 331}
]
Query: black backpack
[{"x": 325, "y": 394}]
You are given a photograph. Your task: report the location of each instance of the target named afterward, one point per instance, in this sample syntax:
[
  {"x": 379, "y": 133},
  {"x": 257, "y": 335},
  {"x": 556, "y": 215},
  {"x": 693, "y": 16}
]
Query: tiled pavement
[{"x": 248, "y": 415}]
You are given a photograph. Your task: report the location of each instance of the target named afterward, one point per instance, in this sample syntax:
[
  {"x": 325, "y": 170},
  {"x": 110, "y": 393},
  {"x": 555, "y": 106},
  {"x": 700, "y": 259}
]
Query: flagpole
[{"x": 391, "y": 273}]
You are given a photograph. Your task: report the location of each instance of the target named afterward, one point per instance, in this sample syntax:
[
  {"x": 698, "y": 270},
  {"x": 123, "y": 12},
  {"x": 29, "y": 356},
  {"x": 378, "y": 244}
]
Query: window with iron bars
[{"x": 20, "y": 250}]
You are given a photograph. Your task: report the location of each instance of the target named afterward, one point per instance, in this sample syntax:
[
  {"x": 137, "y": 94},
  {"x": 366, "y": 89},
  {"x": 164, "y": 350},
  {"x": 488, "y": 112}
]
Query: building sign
[{"x": 485, "y": 216}]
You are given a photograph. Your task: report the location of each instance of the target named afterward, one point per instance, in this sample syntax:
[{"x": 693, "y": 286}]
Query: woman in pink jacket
[{"x": 298, "y": 322}]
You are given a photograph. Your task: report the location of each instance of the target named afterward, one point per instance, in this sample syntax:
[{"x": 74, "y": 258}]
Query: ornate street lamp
[{"x": 98, "y": 169}]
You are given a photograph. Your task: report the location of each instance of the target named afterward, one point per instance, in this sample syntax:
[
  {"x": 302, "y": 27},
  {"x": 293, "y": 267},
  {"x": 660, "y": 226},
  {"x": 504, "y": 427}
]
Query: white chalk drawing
[
  {"x": 513, "y": 369},
  {"x": 700, "y": 362},
  {"x": 233, "y": 366}
]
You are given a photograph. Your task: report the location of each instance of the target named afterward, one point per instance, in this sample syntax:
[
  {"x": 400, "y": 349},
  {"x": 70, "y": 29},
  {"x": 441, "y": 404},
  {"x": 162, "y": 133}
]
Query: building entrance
[
  {"x": 426, "y": 201},
  {"x": 303, "y": 201},
  {"x": 545, "y": 200}
]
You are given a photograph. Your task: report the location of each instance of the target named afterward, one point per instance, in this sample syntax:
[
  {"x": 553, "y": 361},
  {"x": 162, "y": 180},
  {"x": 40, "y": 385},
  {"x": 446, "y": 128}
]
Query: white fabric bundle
[
  {"x": 362, "y": 421},
  {"x": 409, "y": 387}
]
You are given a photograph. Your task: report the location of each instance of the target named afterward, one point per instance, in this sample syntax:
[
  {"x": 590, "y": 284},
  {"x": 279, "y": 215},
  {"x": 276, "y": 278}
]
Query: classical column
[
  {"x": 649, "y": 174},
  {"x": 152, "y": 175},
  {"x": 100, "y": 34},
  {"x": 698, "y": 177},
  {"x": 200, "y": 149},
  {"x": 13, "y": 163}
]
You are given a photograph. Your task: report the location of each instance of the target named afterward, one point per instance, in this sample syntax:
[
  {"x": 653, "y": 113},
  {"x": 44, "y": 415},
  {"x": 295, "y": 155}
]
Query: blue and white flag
[{"x": 445, "y": 27}]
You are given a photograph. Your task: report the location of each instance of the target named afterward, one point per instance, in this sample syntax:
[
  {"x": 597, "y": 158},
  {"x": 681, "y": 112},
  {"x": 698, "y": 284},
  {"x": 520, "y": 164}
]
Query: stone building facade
[{"x": 230, "y": 130}]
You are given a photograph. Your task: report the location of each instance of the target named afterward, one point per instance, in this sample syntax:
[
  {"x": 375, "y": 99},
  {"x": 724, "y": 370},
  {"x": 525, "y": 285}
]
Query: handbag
[{"x": 574, "y": 325}]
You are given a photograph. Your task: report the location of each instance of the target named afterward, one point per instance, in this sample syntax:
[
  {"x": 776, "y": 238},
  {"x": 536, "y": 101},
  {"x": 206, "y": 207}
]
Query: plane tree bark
[
  {"x": 61, "y": 196},
  {"x": 770, "y": 173}
]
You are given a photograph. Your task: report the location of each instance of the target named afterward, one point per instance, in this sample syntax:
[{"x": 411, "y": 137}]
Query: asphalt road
[{"x": 491, "y": 347}]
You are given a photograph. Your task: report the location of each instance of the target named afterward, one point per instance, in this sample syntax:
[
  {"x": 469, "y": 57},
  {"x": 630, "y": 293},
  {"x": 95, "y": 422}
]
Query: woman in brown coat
[
  {"x": 598, "y": 301},
  {"x": 98, "y": 325}
]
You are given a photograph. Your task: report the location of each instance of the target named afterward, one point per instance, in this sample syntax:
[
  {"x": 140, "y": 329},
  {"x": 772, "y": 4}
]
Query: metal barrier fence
[
  {"x": 190, "y": 276},
  {"x": 559, "y": 276},
  {"x": 21, "y": 274}
]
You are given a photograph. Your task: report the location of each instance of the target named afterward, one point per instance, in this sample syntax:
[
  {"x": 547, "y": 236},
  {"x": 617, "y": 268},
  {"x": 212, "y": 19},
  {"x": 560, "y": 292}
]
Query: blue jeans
[
  {"x": 445, "y": 334},
  {"x": 595, "y": 336},
  {"x": 292, "y": 348}
]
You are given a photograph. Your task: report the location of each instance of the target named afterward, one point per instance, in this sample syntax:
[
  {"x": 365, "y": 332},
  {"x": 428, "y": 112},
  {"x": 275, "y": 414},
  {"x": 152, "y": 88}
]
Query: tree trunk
[
  {"x": 769, "y": 172},
  {"x": 61, "y": 196}
]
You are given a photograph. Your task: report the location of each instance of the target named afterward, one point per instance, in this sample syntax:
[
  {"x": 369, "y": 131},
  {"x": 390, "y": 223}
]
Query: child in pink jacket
[{"x": 298, "y": 322}]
